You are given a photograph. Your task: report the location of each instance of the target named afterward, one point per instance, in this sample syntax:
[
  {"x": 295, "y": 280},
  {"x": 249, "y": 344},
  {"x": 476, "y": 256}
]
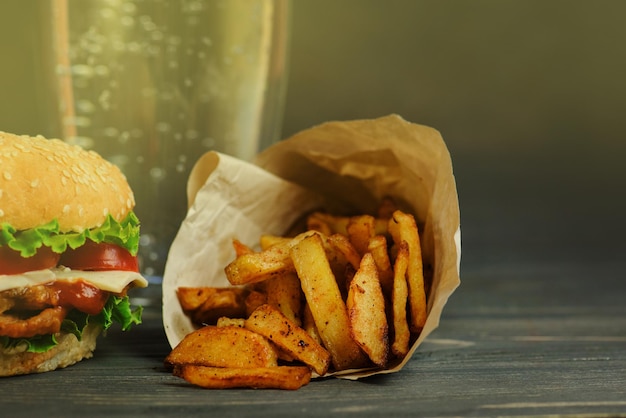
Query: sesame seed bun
[{"x": 45, "y": 179}]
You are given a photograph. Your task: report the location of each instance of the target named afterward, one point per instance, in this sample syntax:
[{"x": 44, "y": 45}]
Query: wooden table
[{"x": 515, "y": 340}]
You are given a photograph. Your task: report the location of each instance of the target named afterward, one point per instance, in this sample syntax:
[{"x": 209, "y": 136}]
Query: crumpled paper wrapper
[{"x": 343, "y": 167}]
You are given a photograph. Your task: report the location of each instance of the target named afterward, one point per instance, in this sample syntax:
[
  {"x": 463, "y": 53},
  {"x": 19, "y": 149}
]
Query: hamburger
[{"x": 68, "y": 253}]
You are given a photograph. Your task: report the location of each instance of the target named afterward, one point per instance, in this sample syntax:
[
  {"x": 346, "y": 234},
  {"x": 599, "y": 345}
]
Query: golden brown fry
[
  {"x": 331, "y": 223},
  {"x": 339, "y": 224},
  {"x": 344, "y": 260},
  {"x": 254, "y": 300},
  {"x": 386, "y": 208},
  {"x": 230, "y": 322},
  {"x": 257, "y": 267},
  {"x": 379, "y": 250},
  {"x": 223, "y": 347},
  {"x": 360, "y": 230},
  {"x": 268, "y": 241},
  {"x": 399, "y": 295},
  {"x": 280, "y": 377},
  {"x": 241, "y": 248},
  {"x": 342, "y": 245},
  {"x": 284, "y": 292},
  {"x": 204, "y": 305},
  {"x": 269, "y": 322},
  {"x": 327, "y": 307},
  {"x": 381, "y": 226},
  {"x": 402, "y": 227},
  {"x": 314, "y": 222},
  {"x": 366, "y": 309},
  {"x": 191, "y": 298},
  {"x": 283, "y": 355},
  {"x": 308, "y": 323}
]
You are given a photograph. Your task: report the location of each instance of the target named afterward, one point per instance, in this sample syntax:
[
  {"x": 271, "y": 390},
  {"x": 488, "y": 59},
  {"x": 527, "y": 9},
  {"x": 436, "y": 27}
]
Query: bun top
[{"x": 45, "y": 179}]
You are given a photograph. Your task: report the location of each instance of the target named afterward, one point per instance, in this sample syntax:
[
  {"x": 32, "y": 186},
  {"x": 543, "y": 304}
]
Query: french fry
[
  {"x": 386, "y": 208},
  {"x": 324, "y": 299},
  {"x": 268, "y": 241},
  {"x": 241, "y": 248},
  {"x": 318, "y": 223},
  {"x": 253, "y": 301},
  {"x": 377, "y": 246},
  {"x": 308, "y": 323},
  {"x": 205, "y": 305},
  {"x": 342, "y": 245},
  {"x": 330, "y": 223},
  {"x": 257, "y": 267},
  {"x": 366, "y": 309},
  {"x": 271, "y": 323},
  {"x": 402, "y": 227},
  {"x": 284, "y": 292},
  {"x": 334, "y": 224},
  {"x": 230, "y": 322},
  {"x": 191, "y": 298},
  {"x": 399, "y": 295},
  {"x": 223, "y": 347},
  {"x": 360, "y": 230},
  {"x": 280, "y": 377},
  {"x": 344, "y": 260}
]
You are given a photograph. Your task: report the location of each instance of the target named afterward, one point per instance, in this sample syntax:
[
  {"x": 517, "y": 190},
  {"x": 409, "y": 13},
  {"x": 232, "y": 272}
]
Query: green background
[{"x": 528, "y": 95}]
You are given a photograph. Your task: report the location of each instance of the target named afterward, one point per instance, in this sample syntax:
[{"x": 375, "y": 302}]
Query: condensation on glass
[{"x": 153, "y": 84}]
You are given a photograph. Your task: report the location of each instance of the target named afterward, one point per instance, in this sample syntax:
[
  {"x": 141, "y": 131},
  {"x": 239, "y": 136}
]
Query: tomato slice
[
  {"x": 11, "y": 262},
  {"x": 99, "y": 256}
]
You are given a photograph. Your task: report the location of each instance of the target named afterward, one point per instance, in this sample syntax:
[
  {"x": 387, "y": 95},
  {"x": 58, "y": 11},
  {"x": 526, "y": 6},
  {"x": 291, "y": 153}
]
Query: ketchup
[{"x": 80, "y": 295}]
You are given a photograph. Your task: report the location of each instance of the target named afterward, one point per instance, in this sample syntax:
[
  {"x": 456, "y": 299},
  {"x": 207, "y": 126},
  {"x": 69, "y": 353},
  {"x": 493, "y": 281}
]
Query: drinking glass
[{"x": 152, "y": 85}]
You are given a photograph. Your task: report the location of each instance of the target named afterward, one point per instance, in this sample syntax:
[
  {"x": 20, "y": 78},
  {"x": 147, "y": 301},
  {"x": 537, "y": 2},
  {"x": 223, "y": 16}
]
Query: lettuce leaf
[
  {"x": 117, "y": 309},
  {"x": 124, "y": 233}
]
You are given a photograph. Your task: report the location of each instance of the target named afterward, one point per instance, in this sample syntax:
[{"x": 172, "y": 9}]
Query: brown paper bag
[{"x": 344, "y": 167}]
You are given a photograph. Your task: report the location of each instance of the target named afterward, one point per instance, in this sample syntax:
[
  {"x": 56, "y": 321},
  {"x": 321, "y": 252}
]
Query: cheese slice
[{"x": 112, "y": 281}]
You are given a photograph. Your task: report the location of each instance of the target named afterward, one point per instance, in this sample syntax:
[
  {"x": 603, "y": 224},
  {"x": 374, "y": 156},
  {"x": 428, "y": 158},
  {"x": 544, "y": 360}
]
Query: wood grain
[{"x": 516, "y": 339}]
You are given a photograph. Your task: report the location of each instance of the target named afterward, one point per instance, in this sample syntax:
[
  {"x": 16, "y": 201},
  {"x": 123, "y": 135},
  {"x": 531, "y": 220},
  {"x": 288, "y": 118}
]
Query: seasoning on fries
[{"x": 348, "y": 293}]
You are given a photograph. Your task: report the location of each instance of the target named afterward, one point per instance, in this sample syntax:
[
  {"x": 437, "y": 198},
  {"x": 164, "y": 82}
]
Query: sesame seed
[{"x": 7, "y": 175}]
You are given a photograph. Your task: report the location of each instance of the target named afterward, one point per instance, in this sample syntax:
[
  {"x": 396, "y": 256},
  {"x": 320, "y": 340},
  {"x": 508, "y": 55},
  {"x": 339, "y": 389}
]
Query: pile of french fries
[{"x": 349, "y": 293}]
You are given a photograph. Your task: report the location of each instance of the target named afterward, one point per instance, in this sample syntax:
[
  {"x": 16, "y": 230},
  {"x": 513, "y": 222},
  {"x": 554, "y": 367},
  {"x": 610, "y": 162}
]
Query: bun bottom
[{"x": 68, "y": 351}]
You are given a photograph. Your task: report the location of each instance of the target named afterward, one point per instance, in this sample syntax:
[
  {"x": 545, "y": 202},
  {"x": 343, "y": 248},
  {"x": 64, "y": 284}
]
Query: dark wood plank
[{"x": 527, "y": 339}]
